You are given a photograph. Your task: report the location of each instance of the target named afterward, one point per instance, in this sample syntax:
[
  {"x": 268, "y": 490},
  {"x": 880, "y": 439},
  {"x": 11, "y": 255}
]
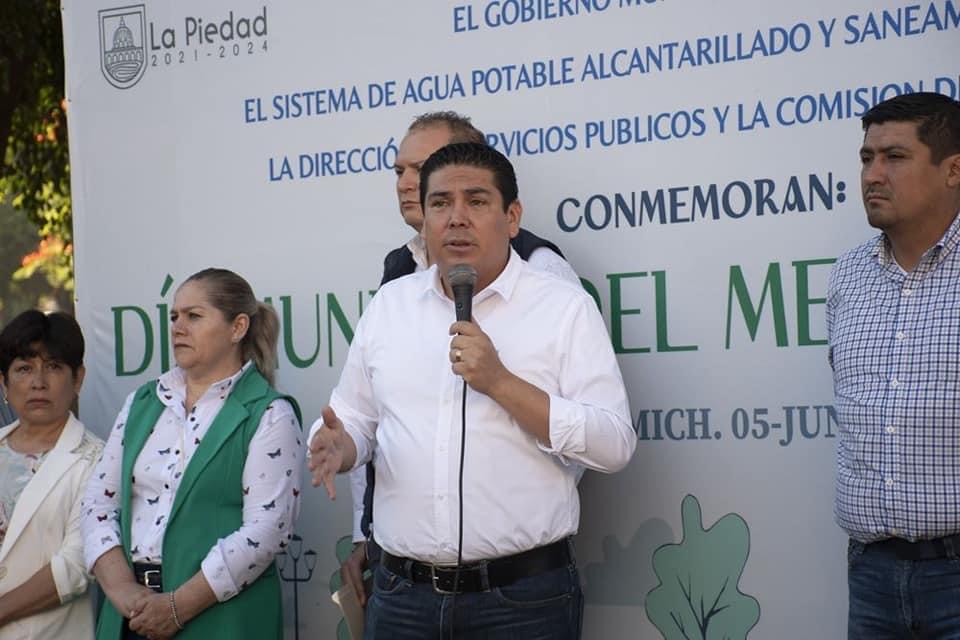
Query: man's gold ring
[{"x": 458, "y": 356}]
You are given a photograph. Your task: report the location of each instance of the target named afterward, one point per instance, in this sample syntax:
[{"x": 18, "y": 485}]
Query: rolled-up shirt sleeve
[
  {"x": 100, "y": 507},
  {"x": 590, "y": 416},
  {"x": 271, "y": 503},
  {"x": 68, "y": 564}
]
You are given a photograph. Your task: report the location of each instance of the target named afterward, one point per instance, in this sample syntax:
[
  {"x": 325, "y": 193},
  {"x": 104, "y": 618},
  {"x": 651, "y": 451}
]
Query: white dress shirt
[
  {"x": 398, "y": 398},
  {"x": 541, "y": 259},
  {"x": 271, "y": 475}
]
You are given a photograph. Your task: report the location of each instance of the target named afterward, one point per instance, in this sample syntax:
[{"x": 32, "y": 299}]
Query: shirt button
[
  {"x": 894, "y": 532},
  {"x": 891, "y": 429},
  {"x": 889, "y": 482},
  {"x": 894, "y": 383},
  {"x": 901, "y": 335},
  {"x": 907, "y": 291}
]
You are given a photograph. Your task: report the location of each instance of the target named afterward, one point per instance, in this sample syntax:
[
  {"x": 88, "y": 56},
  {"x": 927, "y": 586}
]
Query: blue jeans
[
  {"x": 893, "y": 599},
  {"x": 543, "y": 607}
]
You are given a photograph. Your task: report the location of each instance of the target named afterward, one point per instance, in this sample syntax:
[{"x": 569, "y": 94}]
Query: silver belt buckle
[
  {"x": 146, "y": 579},
  {"x": 435, "y": 579}
]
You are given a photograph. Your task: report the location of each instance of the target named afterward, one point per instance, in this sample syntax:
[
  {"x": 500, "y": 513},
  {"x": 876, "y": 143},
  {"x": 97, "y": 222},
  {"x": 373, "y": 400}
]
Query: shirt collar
[
  {"x": 944, "y": 246},
  {"x": 172, "y": 385},
  {"x": 948, "y": 243},
  {"x": 504, "y": 284},
  {"x": 418, "y": 249},
  {"x": 882, "y": 252}
]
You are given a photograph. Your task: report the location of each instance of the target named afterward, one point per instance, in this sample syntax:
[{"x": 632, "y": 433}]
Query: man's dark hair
[
  {"x": 461, "y": 129},
  {"x": 33, "y": 333},
  {"x": 937, "y": 118},
  {"x": 472, "y": 154}
]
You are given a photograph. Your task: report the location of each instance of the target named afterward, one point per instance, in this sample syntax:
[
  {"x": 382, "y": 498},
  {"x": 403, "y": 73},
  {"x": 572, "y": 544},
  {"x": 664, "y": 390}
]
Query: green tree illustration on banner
[{"x": 699, "y": 596}]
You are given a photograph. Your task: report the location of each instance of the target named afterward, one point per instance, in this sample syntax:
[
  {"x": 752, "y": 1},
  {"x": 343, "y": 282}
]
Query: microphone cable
[
  {"x": 456, "y": 574},
  {"x": 462, "y": 279}
]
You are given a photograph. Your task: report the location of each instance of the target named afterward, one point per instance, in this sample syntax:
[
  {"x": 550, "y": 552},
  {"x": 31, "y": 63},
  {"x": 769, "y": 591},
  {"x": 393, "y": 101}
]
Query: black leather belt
[
  {"x": 149, "y": 575},
  {"x": 948, "y": 546},
  {"x": 483, "y": 575}
]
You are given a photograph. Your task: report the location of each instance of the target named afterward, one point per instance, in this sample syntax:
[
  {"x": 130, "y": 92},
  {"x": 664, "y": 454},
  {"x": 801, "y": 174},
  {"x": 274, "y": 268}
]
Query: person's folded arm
[
  {"x": 586, "y": 420},
  {"x": 100, "y": 506},
  {"x": 271, "y": 502},
  {"x": 67, "y": 565},
  {"x": 116, "y": 578},
  {"x": 37, "y": 594},
  {"x": 100, "y": 525},
  {"x": 589, "y": 417}
]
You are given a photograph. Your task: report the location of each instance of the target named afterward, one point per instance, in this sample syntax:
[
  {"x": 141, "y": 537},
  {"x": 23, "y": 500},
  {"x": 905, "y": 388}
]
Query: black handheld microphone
[{"x": 462, "y": 278}]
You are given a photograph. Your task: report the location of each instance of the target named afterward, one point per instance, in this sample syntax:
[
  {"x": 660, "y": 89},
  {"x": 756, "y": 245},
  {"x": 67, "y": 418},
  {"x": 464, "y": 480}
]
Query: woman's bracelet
[{"x": 173, "y": 609}]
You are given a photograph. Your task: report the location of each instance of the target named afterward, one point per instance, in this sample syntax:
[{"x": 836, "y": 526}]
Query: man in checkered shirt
[{"x": 893, "y": 318}]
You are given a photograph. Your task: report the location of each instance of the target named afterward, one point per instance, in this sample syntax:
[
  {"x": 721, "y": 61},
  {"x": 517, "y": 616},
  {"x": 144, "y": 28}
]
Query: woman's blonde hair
[{"x": 232, "y": 295}]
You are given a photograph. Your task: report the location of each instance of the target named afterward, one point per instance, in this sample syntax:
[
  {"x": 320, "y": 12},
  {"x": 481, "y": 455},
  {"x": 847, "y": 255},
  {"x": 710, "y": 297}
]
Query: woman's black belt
[
  {"x": 149, "y": 575},
  {"x": 486, "y": 574}
]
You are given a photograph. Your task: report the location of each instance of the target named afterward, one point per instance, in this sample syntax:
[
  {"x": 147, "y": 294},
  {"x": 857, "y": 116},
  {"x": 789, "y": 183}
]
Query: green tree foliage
[
  {"x": 18, "y": 238},
  {"x": 35, "y": 173},
  {"x": 699, "y": 597}
]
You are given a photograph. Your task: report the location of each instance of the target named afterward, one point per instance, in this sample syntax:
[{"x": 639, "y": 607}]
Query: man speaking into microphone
[{"x": 479, "y": 426}]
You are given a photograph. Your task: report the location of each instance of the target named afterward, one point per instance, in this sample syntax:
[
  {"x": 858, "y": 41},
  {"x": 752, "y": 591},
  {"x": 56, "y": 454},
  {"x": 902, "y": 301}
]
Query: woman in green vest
[{"x": 197, "y": 490}]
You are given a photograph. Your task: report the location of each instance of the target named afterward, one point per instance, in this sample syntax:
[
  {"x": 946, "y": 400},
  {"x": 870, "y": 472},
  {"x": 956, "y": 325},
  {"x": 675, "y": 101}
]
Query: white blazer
[{"x": 45, "y": 528}]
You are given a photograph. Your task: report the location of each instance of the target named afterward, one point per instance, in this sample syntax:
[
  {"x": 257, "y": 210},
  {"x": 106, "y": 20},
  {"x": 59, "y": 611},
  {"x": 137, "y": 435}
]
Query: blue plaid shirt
[{"x": 895, "y": 352}]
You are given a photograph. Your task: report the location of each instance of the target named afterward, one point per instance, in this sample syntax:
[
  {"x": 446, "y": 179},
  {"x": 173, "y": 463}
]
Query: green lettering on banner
[
  {"x": 119, "y": 341},
  {"x": 617, "y": 312},
  {"x": 163, "y": 319},
  {"x": 660, "y": 288},
  {"x": 773, "y": 284},
  {"x": 804, "y": 301},
  {"x": 287, "y": 311}
]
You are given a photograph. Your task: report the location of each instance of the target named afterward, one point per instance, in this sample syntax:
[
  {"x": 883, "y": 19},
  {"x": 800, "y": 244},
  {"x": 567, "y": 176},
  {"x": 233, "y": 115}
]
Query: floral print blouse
[
  {"x": 16, "y": 471},
  {"x": 271, "y": 485}
]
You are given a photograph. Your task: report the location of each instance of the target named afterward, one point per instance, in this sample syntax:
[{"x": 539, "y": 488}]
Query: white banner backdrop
[{"x": 696, "y": 161}]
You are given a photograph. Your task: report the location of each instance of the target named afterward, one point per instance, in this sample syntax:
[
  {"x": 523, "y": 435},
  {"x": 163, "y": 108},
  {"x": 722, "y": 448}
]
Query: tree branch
[
  {"x": 679, "y": 622},
  {"x": 713, "y": 608}
]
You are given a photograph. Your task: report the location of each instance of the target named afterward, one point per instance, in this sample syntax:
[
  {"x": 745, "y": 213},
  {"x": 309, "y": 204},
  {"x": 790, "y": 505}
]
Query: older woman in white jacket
[{"x": 46, "y": 457}]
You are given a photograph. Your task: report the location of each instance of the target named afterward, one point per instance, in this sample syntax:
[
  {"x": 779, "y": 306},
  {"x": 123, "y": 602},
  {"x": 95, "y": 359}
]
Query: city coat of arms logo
[{"x": 123, "y": 51}]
